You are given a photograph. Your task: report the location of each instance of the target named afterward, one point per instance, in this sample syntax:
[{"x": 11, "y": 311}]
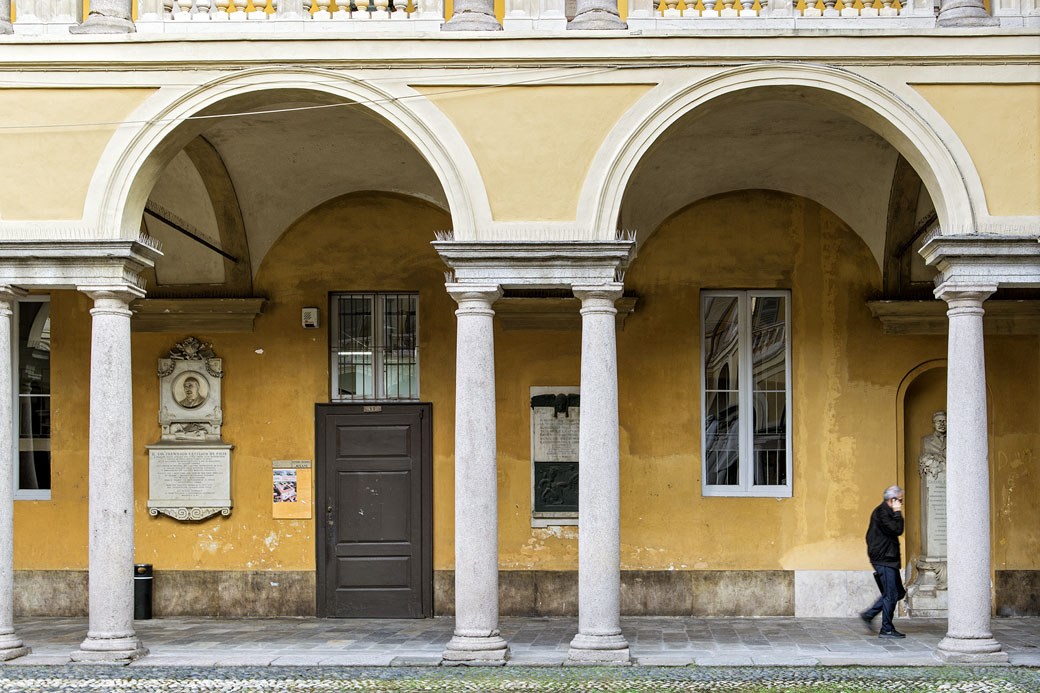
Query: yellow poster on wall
[{"x": 293, "y": 489}]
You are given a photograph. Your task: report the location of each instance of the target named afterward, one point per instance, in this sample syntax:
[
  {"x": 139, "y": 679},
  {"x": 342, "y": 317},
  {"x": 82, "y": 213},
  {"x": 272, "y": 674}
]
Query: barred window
[
  {"x": 374, "y": 346},
  {"x": 746, "y": 373}
]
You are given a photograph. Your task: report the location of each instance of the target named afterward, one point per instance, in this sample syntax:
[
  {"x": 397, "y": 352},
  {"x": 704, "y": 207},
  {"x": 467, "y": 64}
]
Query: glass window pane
[
  {"x": 354, "y": 349},
  {"x": 34, "y": 395},
  {"x": 769, "y": 397},
  {"x": 722, "y": 401},
  {"x": 400, "y": 353}
]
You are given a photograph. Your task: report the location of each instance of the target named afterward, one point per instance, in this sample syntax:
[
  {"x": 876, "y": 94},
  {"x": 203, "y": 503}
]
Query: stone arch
[
  {"x": 135, "y": 157},
  {"x": 933, "y": 151}
]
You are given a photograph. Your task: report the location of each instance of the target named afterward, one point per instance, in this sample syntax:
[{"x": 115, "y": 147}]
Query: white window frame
[
  {"x": 378, "y": 333},
  {"x": 22, "y": 494},
  {"x": 745, "y": 488}
]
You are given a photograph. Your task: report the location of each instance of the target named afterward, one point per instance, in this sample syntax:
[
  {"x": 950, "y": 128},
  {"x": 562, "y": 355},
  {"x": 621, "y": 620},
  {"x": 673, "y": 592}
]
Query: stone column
[
  {"x": 110, "y": 633},
  {"x": 10, "y": 644},
  {"x": 596, "y": 14},
  {"x": 107, "y": 17},
  {"x": 599, "y": 639},
  {"x": 968, "y": 638},
  {"x": 964, "y": 13},
  {"x": 472, "y": 15},
  {"x": 476, "y": 639}
]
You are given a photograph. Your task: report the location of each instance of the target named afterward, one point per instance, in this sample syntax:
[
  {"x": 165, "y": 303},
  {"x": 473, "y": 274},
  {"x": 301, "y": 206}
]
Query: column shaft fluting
[
  {"x": 967, "y": 484},
  {"x": 107, "y": 17},
  {"x": 476, "y": 639},
  {"x": 110, "y": 634},
  {"x": 599, "y": 639},
  {"x": 10, "y": 644}
]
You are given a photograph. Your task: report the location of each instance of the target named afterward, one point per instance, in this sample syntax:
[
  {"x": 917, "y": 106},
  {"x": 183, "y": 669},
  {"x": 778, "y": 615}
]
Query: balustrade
[{"x": 182, "y": 16}]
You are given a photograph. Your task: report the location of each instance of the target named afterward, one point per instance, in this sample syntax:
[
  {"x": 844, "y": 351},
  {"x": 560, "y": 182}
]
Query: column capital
[
  {"x": 8, "y": 295},
  {"x": 964, "y": 298},
  {"x": 113, "y": 299},
  {"x": 598, "y": 298},
  {"x": 474, "y": 298}
]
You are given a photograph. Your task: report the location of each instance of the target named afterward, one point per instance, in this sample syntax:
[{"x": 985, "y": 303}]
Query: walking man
[{"x": 886, "y": 526}]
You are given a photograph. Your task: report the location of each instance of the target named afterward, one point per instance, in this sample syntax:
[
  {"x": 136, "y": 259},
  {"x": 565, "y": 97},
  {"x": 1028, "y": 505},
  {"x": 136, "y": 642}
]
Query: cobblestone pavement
[
  {"x": 534, "y": 680},
  {"x": 207, "y": 642}
]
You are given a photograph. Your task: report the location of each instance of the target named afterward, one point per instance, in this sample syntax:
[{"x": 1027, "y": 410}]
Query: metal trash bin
[{"x": 142, "y": 591}]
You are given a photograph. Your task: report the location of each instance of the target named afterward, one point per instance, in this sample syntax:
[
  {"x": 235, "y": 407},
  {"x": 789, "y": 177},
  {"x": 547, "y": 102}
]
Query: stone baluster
[
  {"x": 476, "y": 639},
  {"x": 110, "y": 634},
  {"x": 107, "y": 17},
  {"x": 599, "y": 639},
  {"x": 5, "y": 17},
  {"x": 473, "y": 15},
  {"x": 968, "y": 638},
  {"x": 709, "y": 9},
  {"x": 964, "y": 13},
  {"x": 597, "y": 15},
  {"x": 202, "y": 9},
  {"x": 10, "y": 644},
  {"x": 669, "y": 8},
  {"x": 746, "y": 8}
]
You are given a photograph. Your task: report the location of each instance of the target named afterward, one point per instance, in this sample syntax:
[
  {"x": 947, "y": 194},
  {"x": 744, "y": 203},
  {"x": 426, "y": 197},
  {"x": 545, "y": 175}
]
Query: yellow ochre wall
[
  {"x": 55, "y": 164},
  {"x": 997, "y": 124},
  {"x": 567, "y": 123},
  {"x": 846, "y": 380}
]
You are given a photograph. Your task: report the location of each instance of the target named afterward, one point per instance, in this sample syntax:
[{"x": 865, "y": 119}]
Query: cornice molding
[
  {"x": 76, "y": 264},
  {"x": 984, "y": 259}
]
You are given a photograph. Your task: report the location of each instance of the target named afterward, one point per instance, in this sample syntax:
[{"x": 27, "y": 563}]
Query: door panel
[{"x": 375, "y": 544}]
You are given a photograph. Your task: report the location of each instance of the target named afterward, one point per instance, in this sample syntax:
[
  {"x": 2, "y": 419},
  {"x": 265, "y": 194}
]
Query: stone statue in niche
[
  {"x": 189, "y": 469},
  {"x": 926, "y": 594}
]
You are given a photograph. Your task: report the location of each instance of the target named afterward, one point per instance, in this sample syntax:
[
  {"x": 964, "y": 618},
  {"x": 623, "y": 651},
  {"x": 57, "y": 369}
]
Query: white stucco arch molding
[
  {"x": 135, "y": 156},
  {"x": 865, "y": 101}
]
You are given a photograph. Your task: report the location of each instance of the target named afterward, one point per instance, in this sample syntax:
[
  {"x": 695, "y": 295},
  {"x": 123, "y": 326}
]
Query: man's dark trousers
[{"x": 886, "y": 603}]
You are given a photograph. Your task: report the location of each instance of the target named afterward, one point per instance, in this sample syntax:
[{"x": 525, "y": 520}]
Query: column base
[
  {"x": 11, "y": 646},
  {"x": 596, "y": 19},
  {"x": 970, "y": 651},
  {"x": 598, "y": 650},
  {"x": 101, "y": 24},
  {"x": 109, "y": 650},
  {"x": 472, "y": 21},
  {"x": 966, "y": 17},
  {"x": 486, "y": 651}
]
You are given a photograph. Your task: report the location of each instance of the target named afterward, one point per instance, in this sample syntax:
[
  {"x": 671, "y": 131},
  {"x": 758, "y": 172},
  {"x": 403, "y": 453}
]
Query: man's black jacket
[{"x": 883, "y": 536}]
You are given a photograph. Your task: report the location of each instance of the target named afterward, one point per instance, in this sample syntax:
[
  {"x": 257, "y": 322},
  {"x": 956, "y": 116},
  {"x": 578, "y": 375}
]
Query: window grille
[{"x": 374, "y": 346}]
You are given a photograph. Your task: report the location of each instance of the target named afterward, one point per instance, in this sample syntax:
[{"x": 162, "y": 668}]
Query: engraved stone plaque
[
  {"x": 189, "y": 482},
  {"x": 555, "y": 416},
  {"x": 189, "y": 469}
]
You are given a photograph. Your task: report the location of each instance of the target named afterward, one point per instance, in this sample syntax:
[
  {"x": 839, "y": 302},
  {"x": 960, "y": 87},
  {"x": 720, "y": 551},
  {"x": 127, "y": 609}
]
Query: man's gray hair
[{"x": 892, "y": 492}]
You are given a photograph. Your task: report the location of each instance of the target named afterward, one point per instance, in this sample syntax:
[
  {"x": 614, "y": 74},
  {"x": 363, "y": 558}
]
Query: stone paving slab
[
  {"x": 533, "y": 680},
  {"x": 302, "y": 642}
]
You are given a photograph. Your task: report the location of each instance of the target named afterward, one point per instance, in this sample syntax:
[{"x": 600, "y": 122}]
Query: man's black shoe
[
  {"x": 891, "y": 634},
  {"x": 867, "y": 621}
]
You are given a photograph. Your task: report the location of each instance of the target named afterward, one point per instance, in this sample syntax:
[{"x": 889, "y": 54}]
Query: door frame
[{"x": 323, "y": 410}]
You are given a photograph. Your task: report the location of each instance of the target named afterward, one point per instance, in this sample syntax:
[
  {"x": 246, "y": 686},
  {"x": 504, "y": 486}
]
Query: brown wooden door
[{"x": 375, "y": 538}]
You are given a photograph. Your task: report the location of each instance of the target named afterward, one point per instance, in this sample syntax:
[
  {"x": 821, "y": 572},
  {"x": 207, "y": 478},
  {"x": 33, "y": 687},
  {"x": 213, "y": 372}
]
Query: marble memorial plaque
[
  {"x": 555, "y": 435},
  {"x": 189, "y": 482},
  {"x": 935, "y": 517}
]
